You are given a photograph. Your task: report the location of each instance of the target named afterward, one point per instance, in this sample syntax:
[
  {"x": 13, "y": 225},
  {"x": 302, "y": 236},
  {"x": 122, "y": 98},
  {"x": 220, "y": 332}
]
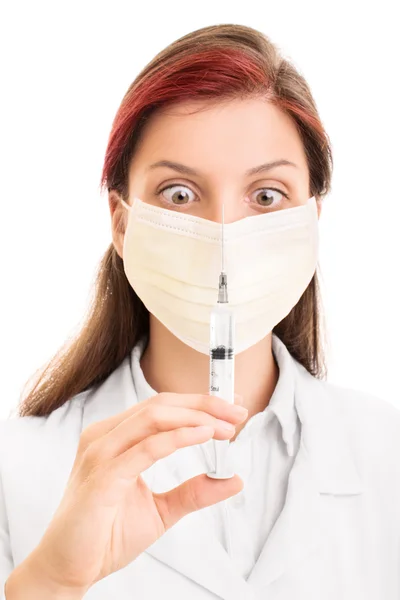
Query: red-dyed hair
[{"x": 213, "y": 64}]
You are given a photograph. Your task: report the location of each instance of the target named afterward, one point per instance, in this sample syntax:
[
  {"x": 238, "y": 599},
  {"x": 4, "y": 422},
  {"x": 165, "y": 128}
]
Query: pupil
[
  {"x": 179, "y": 197},
  {"x": 266, "y": 199}
]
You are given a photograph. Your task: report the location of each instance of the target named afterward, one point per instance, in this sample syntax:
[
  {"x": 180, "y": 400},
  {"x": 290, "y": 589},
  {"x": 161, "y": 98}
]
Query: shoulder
[
  {"x": 372, "y": 423},
  {"x": 363, "y": 412},
  {"x": 363, "y": 409},
  {"x": 34, "y": 435},
  {"x": 369, "y": 424},
  {"x": 36, "y": 457}
]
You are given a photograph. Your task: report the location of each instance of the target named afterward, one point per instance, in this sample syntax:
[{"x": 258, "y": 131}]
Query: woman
[{"x": 105, "y": 490}]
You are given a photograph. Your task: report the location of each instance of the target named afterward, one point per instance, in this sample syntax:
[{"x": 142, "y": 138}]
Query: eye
[
  {"x": 270, "y": 197},
  {"x": 176, "y": 197}
]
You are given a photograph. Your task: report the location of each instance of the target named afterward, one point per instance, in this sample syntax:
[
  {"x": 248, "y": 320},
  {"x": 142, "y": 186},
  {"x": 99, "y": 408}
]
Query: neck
[{"x": 169, "y": 365}]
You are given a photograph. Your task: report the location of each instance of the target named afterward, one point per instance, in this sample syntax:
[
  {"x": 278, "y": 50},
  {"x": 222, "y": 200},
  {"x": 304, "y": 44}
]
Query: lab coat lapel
[
  {"x": 323, "y": 465},
  {"x": 296, "y": 531},
  {"x": 190, "y": 546}
]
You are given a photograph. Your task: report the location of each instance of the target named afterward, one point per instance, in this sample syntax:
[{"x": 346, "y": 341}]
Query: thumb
[{"x": 194, "y": 494}]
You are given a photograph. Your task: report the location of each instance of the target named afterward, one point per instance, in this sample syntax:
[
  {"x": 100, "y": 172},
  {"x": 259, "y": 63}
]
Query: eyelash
[{"x": 184, "y": 185}]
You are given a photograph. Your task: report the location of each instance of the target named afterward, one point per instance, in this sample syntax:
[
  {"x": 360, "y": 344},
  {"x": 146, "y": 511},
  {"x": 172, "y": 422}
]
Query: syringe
[{"x": 222, "y": 362}]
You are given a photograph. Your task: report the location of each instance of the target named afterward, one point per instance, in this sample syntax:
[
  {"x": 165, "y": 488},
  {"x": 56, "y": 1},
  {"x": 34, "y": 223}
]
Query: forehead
[{"x": 238, "y": 133}]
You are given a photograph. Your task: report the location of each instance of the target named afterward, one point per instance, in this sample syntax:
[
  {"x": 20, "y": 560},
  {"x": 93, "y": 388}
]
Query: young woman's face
[{"x": 220, "y": 145}]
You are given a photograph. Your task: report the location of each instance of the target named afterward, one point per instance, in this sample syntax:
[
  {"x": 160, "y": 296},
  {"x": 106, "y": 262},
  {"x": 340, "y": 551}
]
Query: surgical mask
[{"x": 173, "y": 260}]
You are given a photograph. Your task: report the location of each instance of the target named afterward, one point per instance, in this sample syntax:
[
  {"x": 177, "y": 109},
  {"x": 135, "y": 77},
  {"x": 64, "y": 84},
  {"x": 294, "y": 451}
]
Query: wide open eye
[
  {"x": 176, "y": 196},
  {"x": 269, "y": 197}
]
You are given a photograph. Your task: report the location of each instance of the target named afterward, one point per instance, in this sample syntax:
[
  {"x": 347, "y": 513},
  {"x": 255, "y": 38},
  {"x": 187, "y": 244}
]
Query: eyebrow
[{"x": 189, "y": 171}]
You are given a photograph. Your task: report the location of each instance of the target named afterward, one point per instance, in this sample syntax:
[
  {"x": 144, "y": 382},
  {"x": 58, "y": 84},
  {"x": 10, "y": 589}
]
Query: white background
[{"x": 64, "y": 70}]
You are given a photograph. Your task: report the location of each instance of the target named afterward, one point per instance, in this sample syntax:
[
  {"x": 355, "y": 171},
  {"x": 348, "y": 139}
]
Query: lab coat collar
[
  {"x": 282, "y": 401},
  {"x": 324, "y": 464}
]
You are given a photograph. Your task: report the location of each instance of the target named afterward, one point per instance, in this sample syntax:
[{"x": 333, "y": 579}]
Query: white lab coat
[{"x": 337, "y": 538}]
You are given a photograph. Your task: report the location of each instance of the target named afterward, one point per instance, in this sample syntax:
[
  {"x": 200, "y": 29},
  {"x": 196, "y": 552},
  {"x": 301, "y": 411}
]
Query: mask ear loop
[
  {"x": 125, "y": 204},
  {"x": 129, "y": 206}
]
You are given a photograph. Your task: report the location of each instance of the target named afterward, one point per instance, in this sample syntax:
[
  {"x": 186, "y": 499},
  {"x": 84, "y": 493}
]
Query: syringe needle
[
  {"x": 223, "y": 283},
  {"x": 223, "y": 241}
]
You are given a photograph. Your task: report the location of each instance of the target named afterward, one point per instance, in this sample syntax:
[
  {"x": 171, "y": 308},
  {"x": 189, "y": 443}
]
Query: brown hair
[{"x": 213, "y": 63}]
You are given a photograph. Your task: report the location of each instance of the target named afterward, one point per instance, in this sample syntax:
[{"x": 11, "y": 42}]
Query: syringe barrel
[
  {"x": 222, "y": 335},
  {"x": 222, "y": 378},
  {"x": 222, "y": 328}
]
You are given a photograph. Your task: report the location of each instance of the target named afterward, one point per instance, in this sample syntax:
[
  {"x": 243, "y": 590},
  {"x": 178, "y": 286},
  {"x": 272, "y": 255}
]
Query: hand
[{"x": 108, "y": 516}]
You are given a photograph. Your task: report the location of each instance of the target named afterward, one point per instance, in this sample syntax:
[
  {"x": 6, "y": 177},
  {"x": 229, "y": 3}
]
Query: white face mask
[{"x": 173, "y": 261}]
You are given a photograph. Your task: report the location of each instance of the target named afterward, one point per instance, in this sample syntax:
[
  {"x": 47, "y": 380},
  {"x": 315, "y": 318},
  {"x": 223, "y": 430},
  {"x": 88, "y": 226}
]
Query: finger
[
  {"x": 213, "y": 405},
  {"x": 194, "y": 494},
  {"x": 153, "y": 419},
  {"x": 131, "y": 463}
]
